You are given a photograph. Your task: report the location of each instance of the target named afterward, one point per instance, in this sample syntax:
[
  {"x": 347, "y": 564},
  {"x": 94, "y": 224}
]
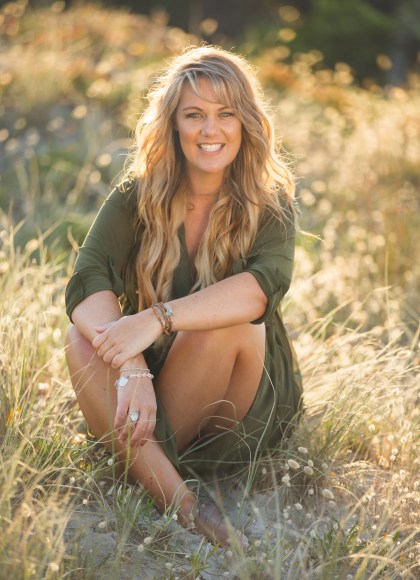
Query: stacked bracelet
[
  {"x": 164, "y": 315},
  {"x": 135, "y": 369},
  {"x": 122, "y": 381}
]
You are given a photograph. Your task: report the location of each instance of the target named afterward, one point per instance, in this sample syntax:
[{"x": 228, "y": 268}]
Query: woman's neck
[
  {"x": 203, "y": 186},
  {"x": 201, "y": 201}
]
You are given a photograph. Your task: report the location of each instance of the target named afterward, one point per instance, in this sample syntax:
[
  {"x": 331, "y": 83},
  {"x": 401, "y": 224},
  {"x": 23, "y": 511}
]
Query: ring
[{"x": 134, "y": 416}]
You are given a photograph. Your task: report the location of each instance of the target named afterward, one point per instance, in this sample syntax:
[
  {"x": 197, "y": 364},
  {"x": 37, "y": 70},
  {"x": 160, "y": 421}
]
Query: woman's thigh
[{"x": 210, "y": 379}]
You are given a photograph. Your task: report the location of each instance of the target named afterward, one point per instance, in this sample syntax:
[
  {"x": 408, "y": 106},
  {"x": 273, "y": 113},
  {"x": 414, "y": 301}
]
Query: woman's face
[{"x": 210, "y": 133}]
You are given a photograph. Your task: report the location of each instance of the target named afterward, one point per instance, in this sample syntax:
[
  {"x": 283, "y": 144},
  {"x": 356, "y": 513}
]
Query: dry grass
[{"x": 341, "y": 500}]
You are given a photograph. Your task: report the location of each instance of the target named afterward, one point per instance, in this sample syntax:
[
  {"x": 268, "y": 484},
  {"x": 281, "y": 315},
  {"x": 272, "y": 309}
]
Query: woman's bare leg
[
  {"x": 203, "y": 368},
  {"x": 208, "y": 383},
  {"x": 210, "y": 379},
  {"x": 93, "y": 382}
]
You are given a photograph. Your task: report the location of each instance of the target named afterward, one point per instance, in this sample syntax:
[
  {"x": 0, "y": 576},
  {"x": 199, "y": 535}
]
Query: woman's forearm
[
  {"x": 232, "y": 301},
  {"x": 99, "y": 308},
  {"x": 236, "y": 300}
]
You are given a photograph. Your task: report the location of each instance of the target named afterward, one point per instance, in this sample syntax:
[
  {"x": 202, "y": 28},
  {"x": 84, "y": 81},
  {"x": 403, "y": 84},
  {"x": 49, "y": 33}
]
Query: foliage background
[{"x": 379, "y": 39}]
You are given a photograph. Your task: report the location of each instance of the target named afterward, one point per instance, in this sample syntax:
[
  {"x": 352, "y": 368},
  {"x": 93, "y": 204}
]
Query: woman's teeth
[{"x": 215, "y": 147}]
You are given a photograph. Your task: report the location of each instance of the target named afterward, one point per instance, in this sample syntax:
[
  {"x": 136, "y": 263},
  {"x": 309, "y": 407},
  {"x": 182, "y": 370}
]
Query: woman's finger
[
  {"x": 99, "y": 340},
  {"x": 109, "y": 349},
  {"x": 144, "y": 429},
  {"x": 133, "y": 430},
  {"x": 103, "y": 327},
  {"x": 121, "y": 413},
  {"x": 109, "y": 355},
  {"x": 138, "y": 401},
  {"x": 124, "y": 430},
  {"x": 129, "y": 425},
  {"x": 102, "y": 350},
  {"x": 150, "y": 428},
  {"x": 136, "y": 434},
  {"x": 141, "y": 427},
  {"x": 121, "y": 358}
]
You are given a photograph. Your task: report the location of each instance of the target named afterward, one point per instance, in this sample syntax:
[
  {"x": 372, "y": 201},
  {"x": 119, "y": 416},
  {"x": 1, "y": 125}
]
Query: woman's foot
[{"x": 208, "y": 522}]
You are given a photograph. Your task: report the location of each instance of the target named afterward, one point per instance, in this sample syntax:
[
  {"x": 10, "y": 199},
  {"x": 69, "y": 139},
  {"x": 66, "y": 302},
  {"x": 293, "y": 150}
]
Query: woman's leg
[
  {"x": 208, "y": 383},
  {"x": 228, "y": 365},
  {"x": 93, "y": 382},
  {"x": 210, "y": 379}
]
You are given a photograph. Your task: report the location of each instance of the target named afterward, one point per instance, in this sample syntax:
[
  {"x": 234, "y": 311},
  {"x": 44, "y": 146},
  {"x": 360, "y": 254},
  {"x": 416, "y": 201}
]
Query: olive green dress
[{"x": 106, "y": 262}]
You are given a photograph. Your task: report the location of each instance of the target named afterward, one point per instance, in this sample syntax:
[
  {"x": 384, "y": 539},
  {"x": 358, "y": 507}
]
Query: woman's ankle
[{"x": 188, "y": 511}]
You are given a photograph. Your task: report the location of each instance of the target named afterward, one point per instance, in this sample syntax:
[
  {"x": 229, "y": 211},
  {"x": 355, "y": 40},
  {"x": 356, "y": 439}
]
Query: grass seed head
[
  {"x": 327, "y": 494},
  {"x": 293, "y": 464}
]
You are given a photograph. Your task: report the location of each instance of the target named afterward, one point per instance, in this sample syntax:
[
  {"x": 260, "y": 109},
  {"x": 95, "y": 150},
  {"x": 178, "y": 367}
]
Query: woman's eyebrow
[{"x": 200, "y": 109}]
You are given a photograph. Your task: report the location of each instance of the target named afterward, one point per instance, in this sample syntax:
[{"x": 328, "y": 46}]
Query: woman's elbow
[
  {"x": 260, "y": 305},
  {"x": 259, "y": 300}
]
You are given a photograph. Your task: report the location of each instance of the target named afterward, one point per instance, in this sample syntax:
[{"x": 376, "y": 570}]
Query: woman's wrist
[
  {"x": 163, "y": 313},
  {"x": 153, "y": 321},
  {"x": 137, "y": 361}
]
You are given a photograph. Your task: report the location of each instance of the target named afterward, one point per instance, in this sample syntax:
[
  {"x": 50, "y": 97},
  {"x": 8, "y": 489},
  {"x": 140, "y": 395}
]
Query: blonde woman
[{"x": 175, "y": 293}]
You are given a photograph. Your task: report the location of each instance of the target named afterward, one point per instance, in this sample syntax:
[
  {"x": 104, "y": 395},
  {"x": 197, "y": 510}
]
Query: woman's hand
[
  {"x": 129, "y": 336},
  {"x": 137, "y": 395}
]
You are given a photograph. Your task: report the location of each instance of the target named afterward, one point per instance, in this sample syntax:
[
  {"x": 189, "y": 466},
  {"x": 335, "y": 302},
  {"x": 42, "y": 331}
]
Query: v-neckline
[{"x": 185, "y": 257}]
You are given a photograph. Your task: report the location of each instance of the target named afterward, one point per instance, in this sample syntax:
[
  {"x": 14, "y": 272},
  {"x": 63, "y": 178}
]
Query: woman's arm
[
  {"x": 235, "y": 300},
  {"x": 101, "y": 308},
  {"x": 251, "y": 295},
  {"x": 98, "y": 308},
  {"x": 102, "y": 260}
]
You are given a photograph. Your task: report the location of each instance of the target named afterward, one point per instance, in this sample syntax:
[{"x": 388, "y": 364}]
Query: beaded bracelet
[
  {"x": 122, "y": 381},
  {"x": 134, "y": 369}
]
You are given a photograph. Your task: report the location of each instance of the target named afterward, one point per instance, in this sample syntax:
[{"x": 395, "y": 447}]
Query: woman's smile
[{"x": 211, "y": 147}]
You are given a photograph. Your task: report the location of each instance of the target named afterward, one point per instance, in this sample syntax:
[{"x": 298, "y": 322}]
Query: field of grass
[{"x": 341, "y": 499}]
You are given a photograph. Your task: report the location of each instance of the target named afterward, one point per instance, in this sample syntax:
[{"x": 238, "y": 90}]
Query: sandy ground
[{"x": 172, "y": 549}]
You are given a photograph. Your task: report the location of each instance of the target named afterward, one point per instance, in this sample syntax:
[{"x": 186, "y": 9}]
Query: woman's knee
[{"x": 79, "y": 350}]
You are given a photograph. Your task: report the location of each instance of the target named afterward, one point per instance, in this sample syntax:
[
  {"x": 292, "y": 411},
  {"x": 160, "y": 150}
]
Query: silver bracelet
[
  {"x": 122, "y": 381},
  {"x": 135, "y": 369}
]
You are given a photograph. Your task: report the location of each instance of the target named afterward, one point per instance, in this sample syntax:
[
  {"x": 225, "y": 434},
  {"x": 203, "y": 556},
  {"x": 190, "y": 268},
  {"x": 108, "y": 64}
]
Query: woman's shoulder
[
  {"x": 125, "y": 194},
  {"x": 283, "y": 214}
]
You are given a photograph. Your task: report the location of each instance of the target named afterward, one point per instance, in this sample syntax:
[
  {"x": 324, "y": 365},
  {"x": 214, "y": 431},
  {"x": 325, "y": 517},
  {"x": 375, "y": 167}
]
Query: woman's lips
[{"x": 210, "y": 147}]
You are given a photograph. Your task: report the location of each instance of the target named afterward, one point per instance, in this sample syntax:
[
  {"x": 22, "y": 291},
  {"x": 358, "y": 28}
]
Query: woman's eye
[{"x": 223, "y": 115}]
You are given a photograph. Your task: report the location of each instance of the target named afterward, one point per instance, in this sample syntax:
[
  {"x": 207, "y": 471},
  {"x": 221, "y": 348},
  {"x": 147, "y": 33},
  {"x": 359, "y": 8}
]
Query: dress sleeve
[
  {"x": 105, "y": 251},
  {"x": 270, "y": 260}
]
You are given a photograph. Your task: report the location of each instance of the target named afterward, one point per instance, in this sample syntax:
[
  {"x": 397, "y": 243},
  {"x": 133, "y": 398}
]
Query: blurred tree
[
  {"x": 351, "y": 31},
  {"x": 377, "y": 38},
  {"x": 405, "y": 46},
  {"x": 232, "y": 16}
]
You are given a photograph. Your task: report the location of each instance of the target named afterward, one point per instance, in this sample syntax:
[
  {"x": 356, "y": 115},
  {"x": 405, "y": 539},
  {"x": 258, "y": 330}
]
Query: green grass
[{"x": 340, "y": 499}]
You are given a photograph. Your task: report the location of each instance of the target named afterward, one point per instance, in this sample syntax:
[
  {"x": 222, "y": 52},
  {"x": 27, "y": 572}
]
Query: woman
[{"x": 198, "y": 244}]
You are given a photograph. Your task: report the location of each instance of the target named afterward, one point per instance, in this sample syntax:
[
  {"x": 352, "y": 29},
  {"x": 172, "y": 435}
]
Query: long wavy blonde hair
[{"x": 257, "y": 178}]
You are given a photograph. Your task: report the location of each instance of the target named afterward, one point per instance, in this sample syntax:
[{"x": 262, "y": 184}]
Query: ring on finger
[{"x": 134, "y": 416}]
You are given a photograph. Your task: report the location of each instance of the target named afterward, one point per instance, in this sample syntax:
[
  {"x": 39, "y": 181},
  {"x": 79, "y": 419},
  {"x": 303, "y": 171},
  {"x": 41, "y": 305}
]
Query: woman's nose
[{"x": 209, "y": 126}]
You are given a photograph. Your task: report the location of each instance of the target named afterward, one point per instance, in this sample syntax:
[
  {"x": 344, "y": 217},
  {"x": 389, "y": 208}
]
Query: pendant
[{"x": 122, "y": 381}]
